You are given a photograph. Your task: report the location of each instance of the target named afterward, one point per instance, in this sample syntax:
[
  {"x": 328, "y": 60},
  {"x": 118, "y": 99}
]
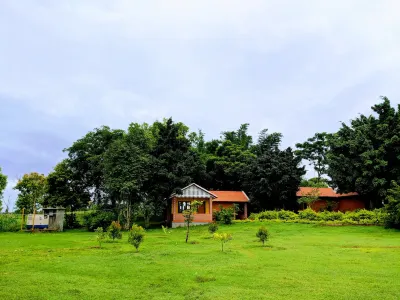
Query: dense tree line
[{"x": 134, "y": 171}]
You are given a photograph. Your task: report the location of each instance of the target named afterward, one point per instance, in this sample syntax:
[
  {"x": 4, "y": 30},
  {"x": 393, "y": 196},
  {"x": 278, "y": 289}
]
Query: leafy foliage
[
  {"x": 98, "y": 218},
  {"x": 308, "y": 214},
  {"x": 392, "y": 208},
  {"x": 272, "y": 179},
  {"x": 71, "y": 221},
  {"x": 225, "y": 215},
  {"x": 32, "y": 188},
  {"x": 114, "y": 231},
  {"x": 364, "y": 156},
  {"x": 309, "y": 198},
  {"x": 223, "y": 238},
  {"x": 315, "y": 150},
  {"x": 3, "y": 185},
  {"x": 87, "y": 157},
  {"x": 100, "y": 235},
  {"x": 65, "y": 189},
  {"x": 213, "y": 228},
  {"x": 314, "y": 182},
  {"x": 136, "y": 236},
  {"x": 9, "y": 222},
  {"x": 357, "y": 217},
  {"x": 262, "y": 234},
  {"x": 188, "y": 215}
]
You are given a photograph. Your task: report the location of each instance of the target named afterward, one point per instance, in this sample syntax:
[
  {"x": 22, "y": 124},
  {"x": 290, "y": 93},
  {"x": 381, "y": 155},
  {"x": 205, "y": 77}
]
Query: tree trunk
[
  {"x": 222, "y": 244},
  {"x": 187, "y": 232},
  {"x": 146, "y": 221}
]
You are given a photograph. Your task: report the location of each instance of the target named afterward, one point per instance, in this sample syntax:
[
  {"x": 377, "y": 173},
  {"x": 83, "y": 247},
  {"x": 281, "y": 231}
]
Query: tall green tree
[
  {"x": 174, "y": 164},
  {"x": 126, "y": 170},
  {"x": 364, "y": 156},
  {"x": 272, "y": 179},
  {"x": 65, "y": 189},
  {"x": 86, "y": 158},
  {"x": 314, "y": 182},
  {"x": 226, "y": 159},
  {"x": 239, "y": 137},
  {"x": 32, "y": 188},
  {"x": 315, "y": 151},
  {"x": 392, "y": 207},
  {"x": 3, "y": 185}
]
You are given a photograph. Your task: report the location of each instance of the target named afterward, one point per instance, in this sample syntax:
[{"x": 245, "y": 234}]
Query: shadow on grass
[
  {"x": 202, "y": 279},
  {"x": 266, "y": 247}
]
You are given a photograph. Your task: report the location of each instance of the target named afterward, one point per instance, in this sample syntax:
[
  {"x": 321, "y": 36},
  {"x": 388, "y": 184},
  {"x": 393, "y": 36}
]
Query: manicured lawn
[{"x": 301, "y": 262}]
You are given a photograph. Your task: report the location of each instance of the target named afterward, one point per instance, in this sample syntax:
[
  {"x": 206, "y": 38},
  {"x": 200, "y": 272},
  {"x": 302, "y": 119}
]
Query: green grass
[{"x": 301, "y": 261}]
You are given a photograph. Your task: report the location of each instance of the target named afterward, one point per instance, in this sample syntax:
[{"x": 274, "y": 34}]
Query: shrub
[
  {"x": 392, "y": 208},
  {"x": 331, "y": 216},
  {"x": 70, "y": 221},
  {"x": 262, "y": 234},
  {"x": 380, "y": 215},
  {"x": 136, "y": 236},
  {"x": 308, "y": 214},
  {"x": 224, "y": 215},
  {"x": 217, "y": 215},
  {"x": 252, "y": 216},
  {"x": 97, "y": 219},
  {"x": 223, "y": 238},
  {"x": 101, "y": 235},
  {"x": 227, "y": 216},
  {"x": 212, "y": 228},
  {"x": 287, "y": 215},
  {"x": 114, "y": 231},
  {"x": 9, "y": 222},
  {"x": 359, "y": 215},
  {"x": 268, "y": 215}
]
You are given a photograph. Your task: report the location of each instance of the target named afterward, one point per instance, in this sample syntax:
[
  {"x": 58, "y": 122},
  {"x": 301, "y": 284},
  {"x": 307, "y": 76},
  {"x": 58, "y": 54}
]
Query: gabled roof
[
  {"x": 231, "y": 196},
  {"x": 194, "y": 191},
  {"x": 323, "y": 192}
]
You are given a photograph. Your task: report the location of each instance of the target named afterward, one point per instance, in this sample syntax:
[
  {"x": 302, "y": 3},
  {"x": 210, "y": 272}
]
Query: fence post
[
  {"x": 33, "y": 220},
  {"x": 22, "y": 219}
]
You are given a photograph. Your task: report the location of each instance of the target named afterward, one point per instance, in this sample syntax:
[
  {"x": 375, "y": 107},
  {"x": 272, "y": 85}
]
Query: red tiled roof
[
  {"x": 230, "y": 196},
  {"x": 323, "y": 192}
]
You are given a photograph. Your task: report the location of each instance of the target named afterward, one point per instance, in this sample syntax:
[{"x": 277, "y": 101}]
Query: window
[{"x": 182, "y": 206}]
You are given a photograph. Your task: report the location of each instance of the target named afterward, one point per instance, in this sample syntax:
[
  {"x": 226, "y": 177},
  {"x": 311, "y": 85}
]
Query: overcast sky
[{"x": 296, "y": 67}]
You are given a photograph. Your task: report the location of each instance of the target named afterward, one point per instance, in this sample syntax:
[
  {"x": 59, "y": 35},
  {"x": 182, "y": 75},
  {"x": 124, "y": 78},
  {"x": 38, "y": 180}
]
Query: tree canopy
[
  {"x": 364, "y": 155},
  {"x": 32, "y": 189},
  {"x": 315, "y": 150},
  {"x": 3, "y": 185},
  {"x": 273, "y": 177}
]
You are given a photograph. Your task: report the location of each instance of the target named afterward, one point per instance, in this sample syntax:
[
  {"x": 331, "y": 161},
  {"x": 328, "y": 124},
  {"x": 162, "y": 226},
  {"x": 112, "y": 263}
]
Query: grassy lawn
[{"x": 301, "y": 261}]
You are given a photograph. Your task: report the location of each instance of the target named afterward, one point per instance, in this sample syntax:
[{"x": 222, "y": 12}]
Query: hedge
[{"x": 357, "y": 217}]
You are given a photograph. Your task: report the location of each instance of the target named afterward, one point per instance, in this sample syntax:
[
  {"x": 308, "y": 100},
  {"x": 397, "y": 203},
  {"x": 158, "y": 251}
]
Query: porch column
[
  {"x": 173, "y": 209},
  {"x": 245, "y": 210},
  {"x": 211, "y": 211}
]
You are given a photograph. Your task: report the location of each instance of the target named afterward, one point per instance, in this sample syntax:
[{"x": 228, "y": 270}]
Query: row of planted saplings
[
  {"x": 136, "y": 234},
  {"x": 135, "y": 237}
]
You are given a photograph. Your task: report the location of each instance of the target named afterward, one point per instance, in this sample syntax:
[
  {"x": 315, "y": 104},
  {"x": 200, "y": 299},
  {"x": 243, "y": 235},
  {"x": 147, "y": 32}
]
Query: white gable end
[{"x": 194, "y": 191}]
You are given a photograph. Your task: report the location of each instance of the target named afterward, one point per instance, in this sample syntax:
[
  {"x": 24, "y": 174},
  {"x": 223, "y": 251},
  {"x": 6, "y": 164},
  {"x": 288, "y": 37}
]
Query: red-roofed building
[
  {"x": 342, "y": 202},
  {"x": 212, "y": 201}
]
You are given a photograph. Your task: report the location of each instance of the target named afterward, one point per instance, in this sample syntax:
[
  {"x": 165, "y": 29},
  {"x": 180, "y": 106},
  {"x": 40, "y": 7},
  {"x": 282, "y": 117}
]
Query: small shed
[{"x": 56, "y": 217}]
